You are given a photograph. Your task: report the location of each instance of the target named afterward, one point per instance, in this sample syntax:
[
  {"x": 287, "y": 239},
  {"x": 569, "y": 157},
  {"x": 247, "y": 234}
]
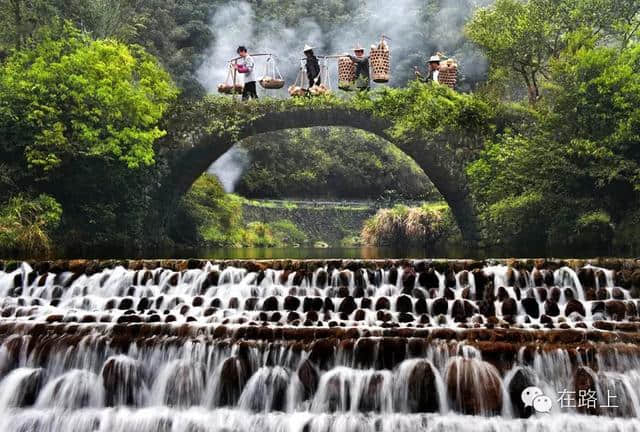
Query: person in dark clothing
[
  {"x": 362, "y": 68},
  {"x": 313, "y": 67}
]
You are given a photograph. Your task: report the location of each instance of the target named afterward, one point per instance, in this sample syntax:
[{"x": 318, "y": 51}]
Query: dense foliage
[
  {"x": 208, "y": 217},
  {"x": 570, "y": 177},
  {"x": 330, "y": 163},
  {"x": 96, "y": 96},
  {"x": 79, "y": 119},
  {"x": 409, "y": 226}
]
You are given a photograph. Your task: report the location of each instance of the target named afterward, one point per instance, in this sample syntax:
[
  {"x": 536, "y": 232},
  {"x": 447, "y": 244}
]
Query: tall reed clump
[
  {"x": 26, "y": 225},
  {"x": 403, "y": 225}
]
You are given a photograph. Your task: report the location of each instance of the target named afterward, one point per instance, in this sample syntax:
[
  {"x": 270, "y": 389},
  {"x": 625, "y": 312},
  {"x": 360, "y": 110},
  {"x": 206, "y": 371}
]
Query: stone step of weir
[{"x": 90, "y": 266}]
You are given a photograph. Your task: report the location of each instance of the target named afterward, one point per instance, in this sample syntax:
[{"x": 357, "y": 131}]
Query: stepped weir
[{"x": 319, "y": 345}]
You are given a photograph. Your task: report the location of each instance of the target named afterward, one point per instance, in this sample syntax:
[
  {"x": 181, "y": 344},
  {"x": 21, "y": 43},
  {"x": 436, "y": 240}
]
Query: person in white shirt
[
  {"x": 245, "y": 65},
  {"x": 433, "y": 71}
]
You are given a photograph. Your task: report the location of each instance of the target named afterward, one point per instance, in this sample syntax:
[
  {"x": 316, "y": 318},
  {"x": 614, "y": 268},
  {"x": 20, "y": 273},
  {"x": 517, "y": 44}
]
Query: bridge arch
[{"x": 436, "y": 160}]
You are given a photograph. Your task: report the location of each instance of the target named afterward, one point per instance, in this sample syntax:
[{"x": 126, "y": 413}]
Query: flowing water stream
[{"x": 376, "y": 347}]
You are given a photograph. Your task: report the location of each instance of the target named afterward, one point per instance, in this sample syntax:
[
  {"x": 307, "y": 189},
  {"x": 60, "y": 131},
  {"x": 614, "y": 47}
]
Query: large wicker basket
[
  {"x": 380, "y": 60},
  {"x": 271, "y": 83},
  {"x": 346, "y": 73},
  {"x": 230, "y": 88},
  {"x": 448, "y": 74}
]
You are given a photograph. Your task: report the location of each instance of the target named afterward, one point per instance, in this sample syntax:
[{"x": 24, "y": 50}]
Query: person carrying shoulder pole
[
  {"x": 245, "y": 65},
  {"x": 362, "y": 68},
  {"x": 313, "y": 67},
  {"x": 433, "y": 71}
]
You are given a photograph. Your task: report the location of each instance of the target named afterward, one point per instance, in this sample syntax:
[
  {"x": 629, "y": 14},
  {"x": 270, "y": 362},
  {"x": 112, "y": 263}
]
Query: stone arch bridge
[{"x": 436, "y": 156}]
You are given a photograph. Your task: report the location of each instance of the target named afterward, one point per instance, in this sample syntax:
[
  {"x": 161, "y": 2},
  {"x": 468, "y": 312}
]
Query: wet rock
[
  {"x": 543, "y": 294},
  {"x": 481, "y": 281},
  {"x": 487, "y": 308},
  {"x": 124, "y": 381},
  {"x": 429, "y": 279},
  {"x": 474, "y": 386},
  {"x": 587, "y": 277},
  {"x": 308, "y": 376},
  {"x": 551, "y": 308},
  {"x": 383, "y": 303},
  {"x": 291, "y": 303},
  {"x": 615, "y": 310},
  {"x": 554, "y": 294},
  {"x": 125, "y": 303},
  {"x": 509, "y": 307},
  {"x": 328, "y": 304},
  {"x": 585, "y": 381},
  {"x": 408, "y": 278},
  {"x": 569, "y": 294},
  {"x": 393, "y": 276},
  {"x": 617, "y": 293},
  {"x": 531, "y": 307},
  {"x": 404, "y": 304},
  {"x": 359, "y": 315},
  {"x": 421, "y": 306},
  {"x": 522, "y": 378},
  {"x": 502, "y": 294},
  {"x": 321, "y": 279},
  {"x": 405, "y": 317},
  {"x": 602, "y": 294},
  {"x": 372, "y": 396},
  {"x": 632, "y": 310},
  {"x": 312, "y": 304},
  {"x": 365, "y": 352},
  {"x": 574, "y": 306},
  {"x": 439, "y": 306},
  {"x": 233, "y": 376},
  {"x": 457, "y": 311},
  {"x": 251, "y": 303},
  {"x": 597, "y": 307},
  {"x": 270, "y": 304},
  {"x": 365, "y": 303},
  {"x": 348, "y": 305},
  {"x": 323, "y": 352}
]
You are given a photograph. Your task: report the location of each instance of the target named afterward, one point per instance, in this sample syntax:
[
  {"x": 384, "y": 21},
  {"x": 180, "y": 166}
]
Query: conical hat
[
  {"x": 307, "y": 48},
  {"x": 434, "y": 59},
  {"x": 358, "y": 47}
]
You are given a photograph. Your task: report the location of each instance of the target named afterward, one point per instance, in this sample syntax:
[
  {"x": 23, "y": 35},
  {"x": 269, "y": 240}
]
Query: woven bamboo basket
[
  {"x": 380, "y": 61},
  {"x": 346, "y": 73},
  {"x": 228, "y": 86},
  {"x": 448, "y": 74},
  {"x": 272, "y": 78},
  {"x": 271, "y": 83}
]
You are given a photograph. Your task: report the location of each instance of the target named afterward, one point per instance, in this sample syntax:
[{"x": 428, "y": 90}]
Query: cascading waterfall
[{"x": 369, "y": 346}]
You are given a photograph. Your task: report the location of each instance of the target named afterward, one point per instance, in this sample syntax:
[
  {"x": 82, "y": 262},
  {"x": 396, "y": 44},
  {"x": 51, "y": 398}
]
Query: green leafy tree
[{"x": 69, "y": 96}]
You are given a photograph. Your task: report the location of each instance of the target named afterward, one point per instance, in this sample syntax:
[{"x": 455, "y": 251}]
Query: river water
[{"x": 408, "y": 347}]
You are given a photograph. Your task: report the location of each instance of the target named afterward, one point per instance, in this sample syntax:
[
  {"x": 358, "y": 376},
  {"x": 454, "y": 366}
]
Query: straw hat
[
  {"x": 358, "y": 47},
  {"x": 434, "y": 59},
  {"x": 307, "y": 48}
]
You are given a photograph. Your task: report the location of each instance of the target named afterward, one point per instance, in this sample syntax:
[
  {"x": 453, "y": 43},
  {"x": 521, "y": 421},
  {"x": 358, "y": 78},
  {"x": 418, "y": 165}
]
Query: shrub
[
  {"x": 403, "y": 225},
  {"x": 26, "y": 225}
]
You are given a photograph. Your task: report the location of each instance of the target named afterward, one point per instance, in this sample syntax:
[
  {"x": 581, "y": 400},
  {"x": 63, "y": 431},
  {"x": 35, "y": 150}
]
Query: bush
[
  {"x": 287, "y": 233},
  {"x": 26, "y": 225},
  {"x": 402, "y": 225}
]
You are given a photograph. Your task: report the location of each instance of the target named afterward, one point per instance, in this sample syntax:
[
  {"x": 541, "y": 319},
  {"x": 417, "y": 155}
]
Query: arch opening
[{"x": 436, "y": 163}]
